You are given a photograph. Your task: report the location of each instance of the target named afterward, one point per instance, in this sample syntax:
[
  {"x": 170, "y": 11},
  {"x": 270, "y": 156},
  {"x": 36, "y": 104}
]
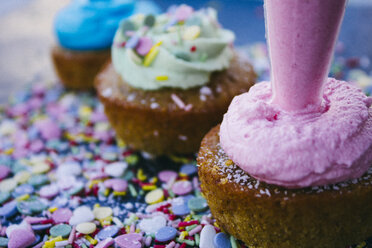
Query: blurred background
[{"x": 26, "y": 34}]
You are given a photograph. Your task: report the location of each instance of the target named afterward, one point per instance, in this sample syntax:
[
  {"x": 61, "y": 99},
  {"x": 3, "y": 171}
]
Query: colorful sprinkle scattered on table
[{"x": 66, "y": 181}]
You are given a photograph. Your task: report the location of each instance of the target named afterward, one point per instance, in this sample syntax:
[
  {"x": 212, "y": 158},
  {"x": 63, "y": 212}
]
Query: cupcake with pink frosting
[{"x": 290, "y": 165}]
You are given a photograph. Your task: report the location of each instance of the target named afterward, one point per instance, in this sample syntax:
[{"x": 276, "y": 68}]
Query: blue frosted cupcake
[{"x": 85, "y": 30}]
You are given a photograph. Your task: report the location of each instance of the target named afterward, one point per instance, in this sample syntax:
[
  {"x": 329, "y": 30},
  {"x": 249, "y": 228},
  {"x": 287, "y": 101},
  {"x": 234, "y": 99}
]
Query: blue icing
[{"x": 91, "y": 24}]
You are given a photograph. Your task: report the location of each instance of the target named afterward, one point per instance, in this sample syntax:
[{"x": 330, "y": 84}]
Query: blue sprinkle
[
  {"x": 22, "y": 190},
  {"x": 132, "y": 42},
  {"x": 9, "y": 209},
  {"x": 108, "y": 232},
  {"x": 166, "y": 233},
  {"x": 189, "y": 169},
  {"x": 180, "y": 209},
  {"x": 40, "y": 227},
  {"x": 222, "y": 240}
]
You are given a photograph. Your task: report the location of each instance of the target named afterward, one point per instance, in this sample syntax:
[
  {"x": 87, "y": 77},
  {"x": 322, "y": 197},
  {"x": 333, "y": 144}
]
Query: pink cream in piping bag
[
  {"x": 302, "y": 129},
  {"x": 301, "y": 38}
]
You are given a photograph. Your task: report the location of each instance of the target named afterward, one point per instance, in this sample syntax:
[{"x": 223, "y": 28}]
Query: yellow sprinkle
[
  {"x": 40, "y": 168},
  {"x": 117, "y": 193},
  {"x": 183, "y": 235},
  {"x": 96, "y": 205},
  {"x": 52, "y": 209},
  {"x": 85, "y": 111},
  {"x": 138, "y": 230},
  {"x": 9, "y": 151},
  {"x": 154, "y": 180},
  {"x": 148, "y": 187},
  {"x": 191, "y": 33},
  {"x": 106, "y": 192},
  {"x": 22, "y": 176},
  {"x": 52, "y": 242},
  {"x": 120, "y": 143},
  {"x": 182, "y": 174},
  {"x": 101, "y": 213},
  {"x": 188, "y": 218},
  {"x": 149, "y": 58},
  {"x": 23, "y": 197},
  {"x": 216, "y": 225},
  {"x": 228, "y": 162},
  {"x": 91, "y": 240},
  {"x": 154, "y": 196},
  {"x": 162, "y": 78},
  {"x": 223, "y": 180},
  {"x": 140, "y": 175}
]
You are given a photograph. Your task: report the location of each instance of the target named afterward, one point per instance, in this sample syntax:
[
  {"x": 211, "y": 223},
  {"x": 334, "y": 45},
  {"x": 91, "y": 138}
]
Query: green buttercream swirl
[{"x": 180, "y": 63}]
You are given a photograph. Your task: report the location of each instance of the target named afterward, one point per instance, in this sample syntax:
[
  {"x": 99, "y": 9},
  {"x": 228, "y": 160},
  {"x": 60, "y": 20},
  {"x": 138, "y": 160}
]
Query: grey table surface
[{"x": 26, "y": 34}]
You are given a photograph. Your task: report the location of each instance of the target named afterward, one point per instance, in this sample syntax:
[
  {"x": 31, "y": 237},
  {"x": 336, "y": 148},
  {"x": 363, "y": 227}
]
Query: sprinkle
[
  {"x": 191, "y": 33},
  {"x": 193, "y": 49},
  {"x": 162, "y": 78},
  {"x": 154, "y": 196},
  {"x": 149, "y": 58},
  {"x": 178, "y": 101}
]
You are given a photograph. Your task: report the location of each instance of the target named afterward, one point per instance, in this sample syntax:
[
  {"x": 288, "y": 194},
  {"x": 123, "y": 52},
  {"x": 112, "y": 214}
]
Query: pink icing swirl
[{"x": 311, "y": 148}]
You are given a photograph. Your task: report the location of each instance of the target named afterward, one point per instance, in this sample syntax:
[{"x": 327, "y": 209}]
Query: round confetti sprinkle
[
  {"x": 154, "y": 196},
  {"x": 119, "y": 185},
  {"x": 86, "y": 227},
  {"x": 4, "y": 171},
  {"x": 188, "y": 169},
  {"x": 8, "y": 185},
  {"x": 191, "y": 33},
  {"x": 182, "y": 187},
  {"x": 8, "y": 209},
  {"x": 61, "y": 215},
  {"x": 62, "y": 230},
  {"x": 107, "y": 232},
  {"x": 207, "y": 236},
  {"x": 102, "y": 212},
  {"x": 131, "y": 240},
  {"x": 166, "y": 234},
  {"x": 197, "y": 204},
  {"x": 4, "y": 196},
  {"x": 149, "y": 21},
  {"x": 152, "y": 225},
  {"x": 4, "y": 242},
  {"x": 167, "y": 175},
  {"x": 222, "y": 240}
]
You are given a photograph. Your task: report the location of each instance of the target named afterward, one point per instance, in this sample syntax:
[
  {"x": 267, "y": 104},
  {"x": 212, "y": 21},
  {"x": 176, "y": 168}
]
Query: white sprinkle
[
  {"x": 205, "y": 90},
  {"x": 154, "y": 105},
  {"x": 182, "y": 137},
  {"x": 131, "y": 97},
  {"x": 107, "y": 92},
  {"x": 178, "y": 101}
]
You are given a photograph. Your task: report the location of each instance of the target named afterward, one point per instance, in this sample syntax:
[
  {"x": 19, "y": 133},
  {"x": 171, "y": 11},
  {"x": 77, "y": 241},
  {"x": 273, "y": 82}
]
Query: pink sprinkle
[
  {"x": 188, "y": 107},
  {"x": 132, "y": 228},
  {"x": 144, "y": 45},
  {"x": 183, "y": 12},
  {"x": 71, "y": 238},
  {"x": 195, "y": 183},
  {"x": 195, "y": 230},
  {"x": 148, "y": 241},
  {"x": 48, "y": 129},
  {"x": 171, "y": 245},
  {"x": 105, "y": 243},
  {"x": 4, "y": 171},
  {"x": 178, "y": 101},
  {"x": 34, "y": 220}
]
